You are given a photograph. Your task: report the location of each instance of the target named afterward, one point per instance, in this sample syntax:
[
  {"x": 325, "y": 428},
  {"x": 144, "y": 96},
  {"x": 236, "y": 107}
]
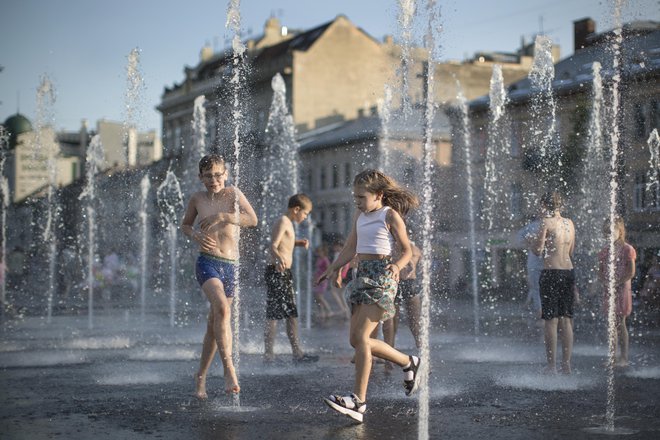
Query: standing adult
[{"x": 556, "y": 243}]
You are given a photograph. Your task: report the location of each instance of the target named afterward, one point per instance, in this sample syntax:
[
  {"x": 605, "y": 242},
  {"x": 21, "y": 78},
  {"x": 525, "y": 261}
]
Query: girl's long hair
[{"x": 394, "y": 196}]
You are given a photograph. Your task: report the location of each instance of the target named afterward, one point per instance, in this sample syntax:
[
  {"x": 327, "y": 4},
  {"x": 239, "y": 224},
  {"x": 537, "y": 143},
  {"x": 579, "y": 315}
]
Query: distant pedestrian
[{"x": 624, "y": 271}]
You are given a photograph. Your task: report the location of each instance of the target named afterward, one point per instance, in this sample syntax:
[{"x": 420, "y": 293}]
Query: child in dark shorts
[{"x": 280, "y": 302}]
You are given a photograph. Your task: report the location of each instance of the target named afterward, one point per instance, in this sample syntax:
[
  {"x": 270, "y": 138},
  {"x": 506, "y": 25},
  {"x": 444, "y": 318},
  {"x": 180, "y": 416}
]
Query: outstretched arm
[{"x": 345, "y": 256}]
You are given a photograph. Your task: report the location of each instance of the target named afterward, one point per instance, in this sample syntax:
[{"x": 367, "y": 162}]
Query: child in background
[
  {"x": 281, "y": 298},
  {"x": 624, "y": 271}
]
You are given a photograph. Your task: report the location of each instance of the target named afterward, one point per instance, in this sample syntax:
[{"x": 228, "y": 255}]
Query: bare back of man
[{"x": 559, "y": 242}]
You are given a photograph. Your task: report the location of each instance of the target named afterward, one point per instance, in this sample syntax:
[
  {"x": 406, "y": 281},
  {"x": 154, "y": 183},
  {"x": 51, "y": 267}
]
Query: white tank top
[{"x": 373, "y": 236}]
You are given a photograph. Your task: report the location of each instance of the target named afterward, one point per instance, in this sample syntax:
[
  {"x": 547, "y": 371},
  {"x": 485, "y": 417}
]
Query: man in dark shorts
[
  {"x": 280, "y": 302},
  {"x": 555, "y": 243}
]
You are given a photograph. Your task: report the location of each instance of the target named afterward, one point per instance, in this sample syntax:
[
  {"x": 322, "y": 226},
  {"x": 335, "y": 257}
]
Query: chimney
[
  {"x": 206, "y": 53},
  {"x": 582, "y": 29}
]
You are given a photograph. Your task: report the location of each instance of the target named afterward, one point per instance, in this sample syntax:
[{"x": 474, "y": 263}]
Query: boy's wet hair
[
  {"x": 552, "y": 201},
  {"x": 300, "y": 201},
  {"x": 394, "y": 196},
  {"x": 209, "y": 160}
]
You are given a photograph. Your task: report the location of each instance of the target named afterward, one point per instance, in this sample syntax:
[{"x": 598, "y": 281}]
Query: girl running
[{"x": 378, "y": 228}]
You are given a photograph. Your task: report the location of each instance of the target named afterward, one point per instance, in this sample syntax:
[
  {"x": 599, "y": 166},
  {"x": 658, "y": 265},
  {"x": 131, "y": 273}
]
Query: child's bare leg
[
  {"x": 324, "y": 308},
  {"x": 209, "y": 348},
  {"x": 390, "y": 328},
  {"x": 269, "y": 339},
  {"x": 221, "y": 309},
  {"x": 292, "y": 333},
  {"x": 566, "y": 330},
  {"x": 550, "y": 338},
  {"x": 389, "y": 333},
  {"x": 414, "y": 312},
  {"x": 363, "y": 322},
  {"x": 623, "y": 337}
]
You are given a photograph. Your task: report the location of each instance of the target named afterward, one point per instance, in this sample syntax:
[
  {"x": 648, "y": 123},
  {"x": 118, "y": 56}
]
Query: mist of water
[{"x": 93, "y": 161}]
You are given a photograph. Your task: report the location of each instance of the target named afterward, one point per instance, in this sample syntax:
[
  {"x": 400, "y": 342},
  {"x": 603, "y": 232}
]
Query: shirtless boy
[
  {"x": 216, "y": 273},
  {"x": 280, "y": 303},
  {"x": 555, "y": 244}
]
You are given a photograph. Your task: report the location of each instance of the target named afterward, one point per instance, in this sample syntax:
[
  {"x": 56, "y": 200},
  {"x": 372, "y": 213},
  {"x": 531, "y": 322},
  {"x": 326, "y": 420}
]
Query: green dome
[{"x": 15, "y": 125}]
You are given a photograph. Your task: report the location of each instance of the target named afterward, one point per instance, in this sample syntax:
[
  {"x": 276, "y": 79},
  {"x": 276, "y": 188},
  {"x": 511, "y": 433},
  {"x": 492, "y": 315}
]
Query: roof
[
  {"x": 15, "y": 125},
  {"x": 371, "y": 128},
  {"x": 300, "y": 42},
  {"x": 640, "y": 52}
]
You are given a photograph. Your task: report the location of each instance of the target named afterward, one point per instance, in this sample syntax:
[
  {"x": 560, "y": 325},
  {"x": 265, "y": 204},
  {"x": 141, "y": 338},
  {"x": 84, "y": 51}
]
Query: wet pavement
[{"x": 127, "y": 380}]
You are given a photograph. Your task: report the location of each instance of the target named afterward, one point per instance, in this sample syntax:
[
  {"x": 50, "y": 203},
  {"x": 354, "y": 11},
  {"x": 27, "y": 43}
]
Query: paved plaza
[{"x": 129, "y": 380}]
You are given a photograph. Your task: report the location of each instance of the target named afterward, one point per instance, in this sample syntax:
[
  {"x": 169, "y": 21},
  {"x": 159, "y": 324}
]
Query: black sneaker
[
  {"x": 306, "y": 358},
  {"x": 351, "y": 406},
  {"x": 411, "y": 385}
]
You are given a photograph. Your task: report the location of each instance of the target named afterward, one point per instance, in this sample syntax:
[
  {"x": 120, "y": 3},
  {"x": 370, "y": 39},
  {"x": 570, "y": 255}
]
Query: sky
[{"x": 82, "y": 46}]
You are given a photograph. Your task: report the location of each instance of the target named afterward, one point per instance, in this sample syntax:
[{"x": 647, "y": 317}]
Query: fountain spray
[
  {"x": 614, "y": 160},
  {"x": 145, "y": 186},
  {"x": 427, "y": 224},
  {"x": 467, "y": 157},
  {"x": 94, "y": 159},
  {"x": 132, "y": 106},
  {"x": 47, "y": 144},
  {"x": 233, "y": 23},
  {"x": 170, "y": 201},
  {"x": 406, "y": 14}
]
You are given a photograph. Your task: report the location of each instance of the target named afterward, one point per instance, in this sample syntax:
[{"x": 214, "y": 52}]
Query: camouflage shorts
[{"x": 374, "y": 285}]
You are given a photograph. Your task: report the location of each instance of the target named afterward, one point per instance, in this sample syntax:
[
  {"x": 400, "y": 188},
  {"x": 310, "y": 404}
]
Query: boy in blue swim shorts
[{"x": 216, "y": 234}]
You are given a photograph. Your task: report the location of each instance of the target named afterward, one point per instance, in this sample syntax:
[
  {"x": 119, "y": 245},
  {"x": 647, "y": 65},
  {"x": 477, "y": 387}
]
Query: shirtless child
[
  {"x": 555, "y": 243},
  {"x": 280, "y": 303},
  {"x": 216, "y": 236}
]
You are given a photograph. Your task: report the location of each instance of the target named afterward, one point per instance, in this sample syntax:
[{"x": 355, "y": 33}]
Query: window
[
  {"x": 516, "y": 200},
  {"x": 333, "y": 217},
  {"x": 639, "y": 122},
  {"x": 348, "y": 179},
  {"x": 516, "y": 138},
  {"x": 646, "y": 196},
  {"x": 322, "y": 178},
  {"x": 654, "y": 114},
  {"x": 308, "y": 180},
  {"x": 335, "y": 176}
]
